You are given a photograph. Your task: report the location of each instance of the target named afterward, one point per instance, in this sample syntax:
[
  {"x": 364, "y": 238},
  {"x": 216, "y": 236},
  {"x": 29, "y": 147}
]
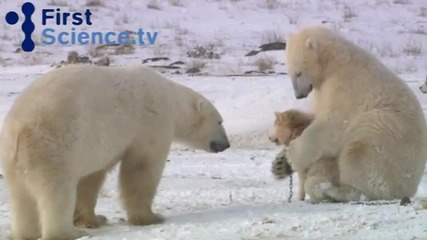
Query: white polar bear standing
[
  {"x": 68, "y": 128},
  {"x": 366, "y": 116}
]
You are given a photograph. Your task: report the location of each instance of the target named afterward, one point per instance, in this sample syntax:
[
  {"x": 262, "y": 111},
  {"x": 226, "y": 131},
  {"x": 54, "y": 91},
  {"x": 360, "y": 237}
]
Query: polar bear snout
[
  {"x": 303, "y": 93},
  {"x": 302, "y": 87},
  {"x": 219, "y": 146}
]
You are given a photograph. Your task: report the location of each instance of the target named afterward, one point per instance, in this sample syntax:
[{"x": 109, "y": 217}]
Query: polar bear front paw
[
  {"x": 90, "y": 222},
  {"x": 143, "y": 221}
]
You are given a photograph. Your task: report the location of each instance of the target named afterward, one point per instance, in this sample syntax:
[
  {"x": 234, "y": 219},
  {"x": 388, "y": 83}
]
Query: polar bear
[
  {"x": 68, "y": 128},
  {"x": 289, "y": 125},
  {"x": 366, "y": 116}
]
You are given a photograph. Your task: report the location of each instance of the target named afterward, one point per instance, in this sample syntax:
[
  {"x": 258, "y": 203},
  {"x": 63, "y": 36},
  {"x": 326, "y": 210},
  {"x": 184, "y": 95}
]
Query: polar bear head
[
  {"x": 306, "y": 58},
  {"x": 205, "y": 130},
  {"x": 289, "y": 125}
]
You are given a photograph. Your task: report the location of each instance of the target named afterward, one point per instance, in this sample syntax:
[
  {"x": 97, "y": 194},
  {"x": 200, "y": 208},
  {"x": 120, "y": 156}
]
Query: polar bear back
[{"x": 97, "y": 108}]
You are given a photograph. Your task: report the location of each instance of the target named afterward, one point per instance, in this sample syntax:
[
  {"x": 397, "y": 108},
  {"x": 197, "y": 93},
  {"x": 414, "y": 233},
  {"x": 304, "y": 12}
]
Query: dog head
[{"x": 289, "y": 125}]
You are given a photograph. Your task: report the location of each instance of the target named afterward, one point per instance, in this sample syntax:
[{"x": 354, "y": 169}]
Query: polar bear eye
[
  {"x": 220, "y": 122},
  {"x": 298, "y": 74}
]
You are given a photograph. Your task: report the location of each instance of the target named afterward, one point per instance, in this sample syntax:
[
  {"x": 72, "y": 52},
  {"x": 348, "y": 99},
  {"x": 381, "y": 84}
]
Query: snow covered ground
[{"x": 232, "y": 195}]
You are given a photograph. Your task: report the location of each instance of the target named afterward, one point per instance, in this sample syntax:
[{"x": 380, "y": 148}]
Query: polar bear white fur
[
  {"x": 366, "y": 116},
  {"x": 68, "y": 128}
]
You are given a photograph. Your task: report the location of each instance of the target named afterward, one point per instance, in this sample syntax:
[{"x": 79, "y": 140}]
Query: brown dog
[{"x": 288, "y": 126}]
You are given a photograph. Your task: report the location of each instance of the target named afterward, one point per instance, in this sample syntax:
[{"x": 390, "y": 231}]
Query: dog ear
[{"x": 278, "y": 115}]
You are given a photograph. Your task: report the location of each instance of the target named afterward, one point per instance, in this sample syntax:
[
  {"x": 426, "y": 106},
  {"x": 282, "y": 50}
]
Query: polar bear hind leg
[
  {"x": 56, "y": 197},
  {"x": 342, "y": 193},
  {"x": 43, "y": 190},
  {"x": 380, "y": 158},
  {"x": 25, "y": 222}
]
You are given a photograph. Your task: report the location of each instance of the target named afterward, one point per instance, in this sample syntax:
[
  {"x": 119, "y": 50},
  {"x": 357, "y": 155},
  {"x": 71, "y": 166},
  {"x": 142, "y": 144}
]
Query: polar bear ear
[{"x": 310, "y": 43}]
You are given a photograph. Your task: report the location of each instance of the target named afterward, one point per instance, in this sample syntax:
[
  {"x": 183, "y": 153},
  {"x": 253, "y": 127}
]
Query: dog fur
[{"x": 288, "y": 126}]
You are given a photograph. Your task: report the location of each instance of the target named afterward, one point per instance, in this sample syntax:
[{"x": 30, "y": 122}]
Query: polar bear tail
[{"x": 9, "y": 143}]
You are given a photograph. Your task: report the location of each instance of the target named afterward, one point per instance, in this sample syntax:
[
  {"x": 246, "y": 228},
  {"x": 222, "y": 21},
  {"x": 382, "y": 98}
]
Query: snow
[{"x": 232, "y": 195}]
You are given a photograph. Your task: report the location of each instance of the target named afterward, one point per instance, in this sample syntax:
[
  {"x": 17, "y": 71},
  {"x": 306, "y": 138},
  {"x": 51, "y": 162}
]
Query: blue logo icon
[{"x": 27, "y": 26}]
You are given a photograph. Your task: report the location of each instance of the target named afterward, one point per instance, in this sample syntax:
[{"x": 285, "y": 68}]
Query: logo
[
  {"x": 27, "y": 26},
  {"x": 56, "y": 17}
]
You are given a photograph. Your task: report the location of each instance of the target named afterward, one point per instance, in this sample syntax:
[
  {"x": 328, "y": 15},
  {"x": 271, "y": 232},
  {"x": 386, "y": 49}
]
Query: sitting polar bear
[
  {"x": 67, "y": 129},
  {"x": 366, "y": 117},
  {"x": 288, "y": 126}
]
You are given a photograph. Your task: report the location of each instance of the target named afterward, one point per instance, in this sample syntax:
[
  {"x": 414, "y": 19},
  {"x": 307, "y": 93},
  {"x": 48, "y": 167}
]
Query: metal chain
[{"x": 291, "y": 192}]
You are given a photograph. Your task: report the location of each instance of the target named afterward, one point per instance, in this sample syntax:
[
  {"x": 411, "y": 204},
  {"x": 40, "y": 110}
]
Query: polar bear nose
[
  {"x": 300, "y": 96},
  {"x": 219, "y": 146}
]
